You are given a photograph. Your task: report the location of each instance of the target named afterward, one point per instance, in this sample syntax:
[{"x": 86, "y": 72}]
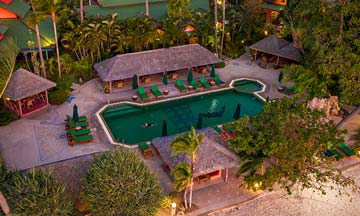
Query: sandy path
[{"x": 304, "y": 203}]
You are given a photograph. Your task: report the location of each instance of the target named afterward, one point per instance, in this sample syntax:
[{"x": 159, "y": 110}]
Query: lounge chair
[
  {"x": 204, "y": 82},
  {"x": 180, "y": 85},
  {"x": 146, "y": 150},
  {"x": 220, "y": 132},
  {"x": 142, "y": 93},
  {"x": 229, "y": 129},
  {"x": 289, "y": 91},
  {"x": 195, "y": 85},
  {"x": 346, "y": 149},
  {"x": 81, "y": 118},
  {"x": 80, "y": 139},
  {"x": 336, "y": 153},
  {"x": 218, "y": 81},
  {"x": 73, "y": 125},
  {"x": 80, "y": 132},
  {"x": 156, "y": 91}
]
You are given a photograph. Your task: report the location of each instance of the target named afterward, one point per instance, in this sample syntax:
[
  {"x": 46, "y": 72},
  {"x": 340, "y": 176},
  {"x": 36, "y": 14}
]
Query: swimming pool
[
  {"x": 246, "y": 85},
  {"x": 125, "y": 122}
]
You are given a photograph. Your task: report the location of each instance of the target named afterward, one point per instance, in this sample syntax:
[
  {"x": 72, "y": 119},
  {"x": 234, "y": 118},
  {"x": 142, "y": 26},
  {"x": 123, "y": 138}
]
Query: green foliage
[
  {"x": 8, "y": 53},
  {"x": 220, "y": 64},
  {"x": 292, "y": 140},
  {"x": 119, "y": 183},
  {"x": 58, "y": 97},
  {"x": 5, "y": 116},
  {"x": 34, "y": 193}
]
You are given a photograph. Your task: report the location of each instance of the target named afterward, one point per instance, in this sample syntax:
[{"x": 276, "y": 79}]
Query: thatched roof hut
[
  {"x": 278, "y": 47},
  {"x": 24, "y": 84},
  {"x": 211, "y": 155},
  {"x": 149, "y": 62}
]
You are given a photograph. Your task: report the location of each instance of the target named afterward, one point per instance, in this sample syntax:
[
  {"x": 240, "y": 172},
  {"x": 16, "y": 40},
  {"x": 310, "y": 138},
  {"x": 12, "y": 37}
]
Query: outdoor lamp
[
  {"x": 7, "y": 98},
  {"x": 219, "y": 2},
  {"x": 266, "y": 32},
  {"x": 173, "y": 209},
  {"x": 256, "y": 185}
]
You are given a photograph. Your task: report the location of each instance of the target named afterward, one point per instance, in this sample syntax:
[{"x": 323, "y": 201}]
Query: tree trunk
[
  {"x": 42, "y": 63},
  {"x": 216, "y": 18},
  {"x": 191, "y": 190},
  {"x": 3, "y": 204},
  {"x": 223, "y": 28},
  {"x": 53, "y": 17},
  {"x": 147, "y": 7},
  {"x": 81, "y": 11},
  {"x": 185, "y": 198}
]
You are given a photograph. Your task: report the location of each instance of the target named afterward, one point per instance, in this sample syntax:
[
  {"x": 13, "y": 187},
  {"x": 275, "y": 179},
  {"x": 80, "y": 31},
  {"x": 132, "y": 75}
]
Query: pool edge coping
[{"x": 110, "y": 136}]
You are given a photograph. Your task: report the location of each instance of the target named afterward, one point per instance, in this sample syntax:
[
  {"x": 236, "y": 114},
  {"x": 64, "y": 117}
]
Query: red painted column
[
  {"x": 20, "y": 109},
  {"x": 46, "y": 96},
  {"x": 268, "y": 16},
  {"x": 110, "y": 86}
]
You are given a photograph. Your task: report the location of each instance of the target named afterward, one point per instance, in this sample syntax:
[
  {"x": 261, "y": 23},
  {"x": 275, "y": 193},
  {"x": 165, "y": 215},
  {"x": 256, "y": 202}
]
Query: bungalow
[{"x": 273, "y": 8}]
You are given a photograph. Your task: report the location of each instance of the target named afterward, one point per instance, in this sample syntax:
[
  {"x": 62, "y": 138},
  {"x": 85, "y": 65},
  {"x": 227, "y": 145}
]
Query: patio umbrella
[
  {"x": 75, "y": 116},
  {"x": 212, "y": 72},
  {"x": 267, "y": 99},
  {"x": 199, "y": 124},
  {"x": 190, "y": 76},
  {"x": 164, "y": 128},
  {"x": 280, "y": 76},
  {"x": 237, "y": 112},
  {"x": 135, "y": 82},
  {"x": 165, "y": 79}
]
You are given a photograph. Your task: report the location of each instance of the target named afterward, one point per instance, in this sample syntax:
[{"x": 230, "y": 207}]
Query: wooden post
[
  {"x": 20, "y": 108},
  {"x": 268, "y": 16},
  {"x": 226, "y": 174},
  {"x": 110, "y": 86},
  {"x": 277, "y": 61},
  {"x": 46, "y": 97},
  {"x": 255, "y": 55},
  {"x": 4, "y": 206}
]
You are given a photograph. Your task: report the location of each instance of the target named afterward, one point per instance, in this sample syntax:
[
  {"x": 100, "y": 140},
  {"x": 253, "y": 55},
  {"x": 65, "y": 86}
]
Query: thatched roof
[
  {"x": 278, "y": 47},
  {"x": 24, "y": 84},
  {"x": 211, "y": 155},
  {"x": 156, "y": 61}
]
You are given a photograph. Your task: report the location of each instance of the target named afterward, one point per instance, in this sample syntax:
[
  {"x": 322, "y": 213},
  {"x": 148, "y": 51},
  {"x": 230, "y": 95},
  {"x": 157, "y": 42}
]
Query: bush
[
  {"x": 118, "y": 183},
  {"x": 34, "y": 193},
  {"x": 58, "y": 97},
  {"x": 220, "y": 65},
  {"x": 5, "y": 116}
]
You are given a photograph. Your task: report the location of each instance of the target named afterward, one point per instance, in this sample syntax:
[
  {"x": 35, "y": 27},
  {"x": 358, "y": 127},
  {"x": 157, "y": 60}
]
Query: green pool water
[
  {"x": 126, "y": 122},
  {"x": 248, "y": 85}
]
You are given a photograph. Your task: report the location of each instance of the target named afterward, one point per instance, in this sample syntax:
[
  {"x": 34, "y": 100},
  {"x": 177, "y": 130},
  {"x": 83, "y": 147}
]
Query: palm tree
[
  {"x": 182, "y": 179},
  {"x": 216, "y": 26},
  {"x": 81, "y": 11},
  {"x": 223, "y": 27},
  {"x": 189, "y": 144},
  {"x": 54, "y": 9},
  {"x": 9, "y": 51},
  {"x": 33, "y": 21}
]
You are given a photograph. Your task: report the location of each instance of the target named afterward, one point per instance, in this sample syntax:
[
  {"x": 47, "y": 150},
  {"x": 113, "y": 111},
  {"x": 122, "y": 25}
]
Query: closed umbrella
[
  {"x": 212, "y": 72},
  {"x": 190, "y": 76},
  {"x": 164, "y": 128},
  {"x": 165, "y": 79},
  {"x": 75, "y": 116},
  {"x": 237, "y": 112},
  {"x": 199, "y": 124},
  {"x": 280, "y": 76},
  {"x": 135, "y": 82}
]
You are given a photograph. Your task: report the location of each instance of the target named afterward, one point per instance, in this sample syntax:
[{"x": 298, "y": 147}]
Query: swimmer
[{"x": 146, "y": 124}]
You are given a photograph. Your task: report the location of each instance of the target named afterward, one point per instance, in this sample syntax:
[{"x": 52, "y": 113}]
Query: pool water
[
  {"x": 126, "y": 121},
  {"x": 247, "y": 85}
]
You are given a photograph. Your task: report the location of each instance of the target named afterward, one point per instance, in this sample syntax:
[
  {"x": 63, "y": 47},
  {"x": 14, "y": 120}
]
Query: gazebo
[
  {"x": 277, "y": 47},
  {"x": 146, "y": 63},
  {"x": 212, "y": 157},
  {"x": 26, "y": 93}
]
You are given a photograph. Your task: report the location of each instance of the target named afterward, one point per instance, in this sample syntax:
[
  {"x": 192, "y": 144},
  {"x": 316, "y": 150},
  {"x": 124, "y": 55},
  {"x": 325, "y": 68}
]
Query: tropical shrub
[
  {"x": 5, "y": 116},
  {"x": 58, "y": 97},
  {"x": 220, "y": 65},
  {"x": 118, "y": 183},
  {"x": 34, "y": 193}
]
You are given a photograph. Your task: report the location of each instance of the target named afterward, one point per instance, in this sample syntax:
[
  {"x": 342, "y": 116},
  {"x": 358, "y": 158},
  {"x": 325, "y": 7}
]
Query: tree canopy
[
  {"x": 285, "y": 145},
  {"x": 328, "y": 34},
  {"x": 119, "y": 183}
]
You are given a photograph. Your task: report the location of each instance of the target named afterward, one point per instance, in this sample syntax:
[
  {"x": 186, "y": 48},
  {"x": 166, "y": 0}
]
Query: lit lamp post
[{"x": 173, "y": 209}]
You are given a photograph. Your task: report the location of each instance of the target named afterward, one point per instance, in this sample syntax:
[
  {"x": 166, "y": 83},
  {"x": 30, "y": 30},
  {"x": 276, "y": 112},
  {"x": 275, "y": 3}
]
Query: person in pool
[{"x": 148, "y": 124}]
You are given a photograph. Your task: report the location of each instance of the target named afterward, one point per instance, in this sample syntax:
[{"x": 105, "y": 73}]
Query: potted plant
[{"x": 106, "y": 89}]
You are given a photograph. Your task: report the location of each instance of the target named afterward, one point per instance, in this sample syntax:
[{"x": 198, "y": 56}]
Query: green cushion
[
  {"x": 144, "y": 146},
  {"x": 346, "y": 149}
]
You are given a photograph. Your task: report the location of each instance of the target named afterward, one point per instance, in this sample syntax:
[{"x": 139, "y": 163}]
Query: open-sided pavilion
[
  {"x": 26, "y": 93},
  {"x": 160, "y": 61}
]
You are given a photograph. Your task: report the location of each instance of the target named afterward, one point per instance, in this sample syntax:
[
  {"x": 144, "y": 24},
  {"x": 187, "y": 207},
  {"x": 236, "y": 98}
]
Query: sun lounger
[
  {"x": 79, "y": 132},
  {"x": 229, "y": 129},
  {"x": 220, "y": 132},
  {"x": 73, "y": 125},
  {"x": 146, "y": 150},
  {"x": 142, "y": 93},
  {"x": 289, "y": 91},
  {"x": 156, "y": 91},
  {"x": 335, "y": 153},
  {"x": 195, "y": 85},
  {"x": 204, "y": 82},
  {"x": 80, "y": 139},
  {"x": 218, "y": 81},
  {"x": 81, "y": 118},
  {"x": 346, "y": 149},
  {"x": 180, "y": 85}
]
